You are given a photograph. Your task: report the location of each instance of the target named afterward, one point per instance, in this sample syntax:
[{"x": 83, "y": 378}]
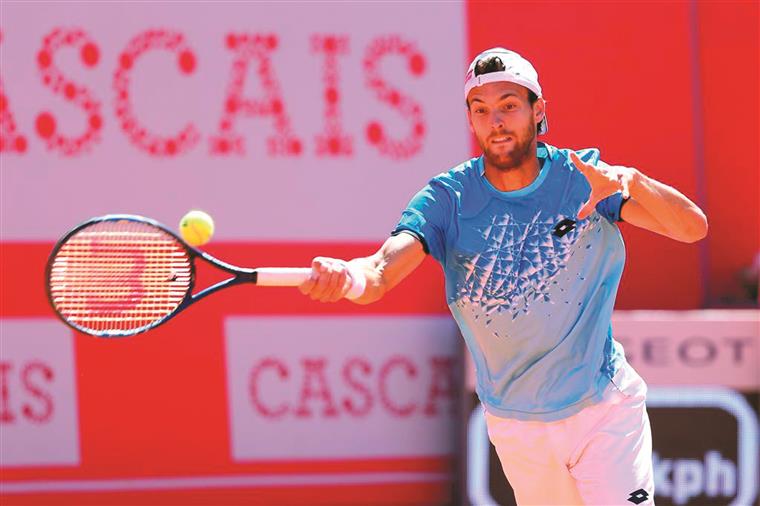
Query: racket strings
[{"x": 121, "y": 275}]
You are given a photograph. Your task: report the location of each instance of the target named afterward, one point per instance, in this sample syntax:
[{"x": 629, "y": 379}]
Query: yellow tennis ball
[{"x": 196, "y": 227}]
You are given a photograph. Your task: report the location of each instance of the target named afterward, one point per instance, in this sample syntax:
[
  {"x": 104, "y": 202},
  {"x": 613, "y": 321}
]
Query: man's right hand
[{"x": 329, "y": 280}]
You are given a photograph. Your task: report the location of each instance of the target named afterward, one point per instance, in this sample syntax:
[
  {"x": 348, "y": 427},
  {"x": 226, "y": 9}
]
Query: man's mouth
[{"x": 502, "y": 139}]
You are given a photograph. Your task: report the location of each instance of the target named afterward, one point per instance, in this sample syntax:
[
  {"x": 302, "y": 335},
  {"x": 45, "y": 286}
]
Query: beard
[{"x": 521, "y": 151}]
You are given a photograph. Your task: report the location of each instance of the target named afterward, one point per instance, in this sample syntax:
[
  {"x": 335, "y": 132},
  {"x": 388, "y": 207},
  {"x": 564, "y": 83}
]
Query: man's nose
[{"x": 497, "y": 120}]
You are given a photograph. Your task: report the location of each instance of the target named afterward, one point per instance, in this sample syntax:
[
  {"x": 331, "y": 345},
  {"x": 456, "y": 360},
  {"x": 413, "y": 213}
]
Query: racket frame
[{"x": 240, "y": 275}]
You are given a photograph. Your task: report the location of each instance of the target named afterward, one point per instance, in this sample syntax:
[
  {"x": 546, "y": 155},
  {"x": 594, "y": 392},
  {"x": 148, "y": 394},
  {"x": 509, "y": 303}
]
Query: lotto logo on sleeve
[
  {"x": 38, "y": 402},
  {"x": 344, "y": 387}
]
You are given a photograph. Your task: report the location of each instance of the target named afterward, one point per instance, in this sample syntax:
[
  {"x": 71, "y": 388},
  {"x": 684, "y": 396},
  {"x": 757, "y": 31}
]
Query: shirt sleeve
[
  {"x": 426, "y": 217},
  {"x": 610, "y": 207}
]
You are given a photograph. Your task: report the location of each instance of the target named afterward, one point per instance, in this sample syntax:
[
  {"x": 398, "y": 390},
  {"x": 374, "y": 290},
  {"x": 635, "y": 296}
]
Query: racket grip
[
  {"x": 294, "y": 276},
  {"x": 282, "y": 276}
]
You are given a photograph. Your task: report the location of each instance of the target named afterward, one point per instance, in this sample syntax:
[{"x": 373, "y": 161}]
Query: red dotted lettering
[
  {"x": 138, "y": 135},
  {"x": 125, "y": 62},
  {"x": 45, "y": 125},
  {"x": 20, "y": 145},
  {"x": 227, "y": 141},
  {"x": 361, "y": 366},
  {"x": 70, "y": 91},
  {"x": 43, "y": 59},
  {"x": 442, "y": 385},
  {"x": 410, "y": 371},
  {"x": 332, "y": 141},
  {"x": 6, "y": 414},
  {"x": 417, "y": 64},
  {"x": 397, "y": 149},
  {"x": 90, "y": 54},
  {"x": 10, "y": 139},
  {"x": 95, "y": 122},
  {"x": 80, "y": 96},
  {"x": 315, "y": 386},
  {"x": 254, "y": 387},
  {"x": 374, "y": 133},
  {"x": 187, "y": 62},
  {"x": 34, "y": 376}
]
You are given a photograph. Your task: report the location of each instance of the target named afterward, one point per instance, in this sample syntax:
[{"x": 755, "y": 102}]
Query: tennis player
[{"x": 528, "y": 239}]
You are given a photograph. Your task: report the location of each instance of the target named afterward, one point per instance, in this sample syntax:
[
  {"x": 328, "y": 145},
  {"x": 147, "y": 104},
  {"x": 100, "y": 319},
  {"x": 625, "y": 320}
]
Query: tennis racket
[{"x": 119, "y": 275}]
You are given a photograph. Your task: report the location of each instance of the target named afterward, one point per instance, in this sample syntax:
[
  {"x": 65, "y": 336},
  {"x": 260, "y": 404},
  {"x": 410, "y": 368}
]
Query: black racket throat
[{"x": 241, "y": 275}]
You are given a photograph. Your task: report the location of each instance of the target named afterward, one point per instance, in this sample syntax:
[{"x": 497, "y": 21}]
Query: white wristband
[{"x": 358, "y": 282}]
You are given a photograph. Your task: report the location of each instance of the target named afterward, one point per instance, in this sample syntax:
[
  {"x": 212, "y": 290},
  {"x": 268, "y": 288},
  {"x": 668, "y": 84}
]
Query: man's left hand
[{"x": 605, "y": 180}]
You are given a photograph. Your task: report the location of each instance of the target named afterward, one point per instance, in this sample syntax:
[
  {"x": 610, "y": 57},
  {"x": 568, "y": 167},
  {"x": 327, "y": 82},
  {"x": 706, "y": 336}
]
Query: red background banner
[{"x": 669, "y": 87}]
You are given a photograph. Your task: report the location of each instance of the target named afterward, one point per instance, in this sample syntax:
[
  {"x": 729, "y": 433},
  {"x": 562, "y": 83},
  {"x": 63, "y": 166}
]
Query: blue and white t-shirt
[{"x": 531, "y": 287}]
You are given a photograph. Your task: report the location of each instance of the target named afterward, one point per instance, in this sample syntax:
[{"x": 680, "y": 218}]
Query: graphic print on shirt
[{"x": 517, "y": 264}]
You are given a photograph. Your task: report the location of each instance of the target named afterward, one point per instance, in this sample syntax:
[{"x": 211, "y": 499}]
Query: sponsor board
[
  {"x": 38, "y": 397},
  {"x": 332, "y": 388},
  {"x": 274, "y": 124},
  {"x": 705, "y": 450}
]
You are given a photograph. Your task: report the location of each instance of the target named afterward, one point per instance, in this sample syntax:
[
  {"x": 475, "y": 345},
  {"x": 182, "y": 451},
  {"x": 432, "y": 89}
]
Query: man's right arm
[{"x": 395, "y": 260}]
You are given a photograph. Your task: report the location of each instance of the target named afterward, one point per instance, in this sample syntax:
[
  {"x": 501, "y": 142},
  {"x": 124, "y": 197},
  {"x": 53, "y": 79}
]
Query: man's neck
[{"x": 513, "y": 179}]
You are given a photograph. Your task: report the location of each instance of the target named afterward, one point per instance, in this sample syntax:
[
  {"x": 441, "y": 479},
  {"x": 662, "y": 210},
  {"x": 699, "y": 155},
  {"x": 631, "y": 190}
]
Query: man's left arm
[
  {"x": 650, "y": 204},
  {"x": 663, "y": 209}
]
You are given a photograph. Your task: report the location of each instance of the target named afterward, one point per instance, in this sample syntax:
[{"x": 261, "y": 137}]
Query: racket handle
[
  {"x": 282, "y": 276},
  {"x": 294, "y": 276}
]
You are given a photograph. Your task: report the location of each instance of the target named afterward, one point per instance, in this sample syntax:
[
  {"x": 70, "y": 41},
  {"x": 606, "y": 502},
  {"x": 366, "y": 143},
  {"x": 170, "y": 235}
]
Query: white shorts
[{"x": 601, "y": 455}]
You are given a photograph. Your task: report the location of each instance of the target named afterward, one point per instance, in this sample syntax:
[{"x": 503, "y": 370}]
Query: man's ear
[{"x": 539, "y": 110}]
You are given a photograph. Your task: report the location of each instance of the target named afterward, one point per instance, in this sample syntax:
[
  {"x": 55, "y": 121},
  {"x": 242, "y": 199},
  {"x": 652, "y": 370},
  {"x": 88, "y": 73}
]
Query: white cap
[{"x": 517, "y": 70}]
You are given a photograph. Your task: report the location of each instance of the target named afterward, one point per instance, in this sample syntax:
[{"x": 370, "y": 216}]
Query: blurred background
[{"x": 304, "y": 129}]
